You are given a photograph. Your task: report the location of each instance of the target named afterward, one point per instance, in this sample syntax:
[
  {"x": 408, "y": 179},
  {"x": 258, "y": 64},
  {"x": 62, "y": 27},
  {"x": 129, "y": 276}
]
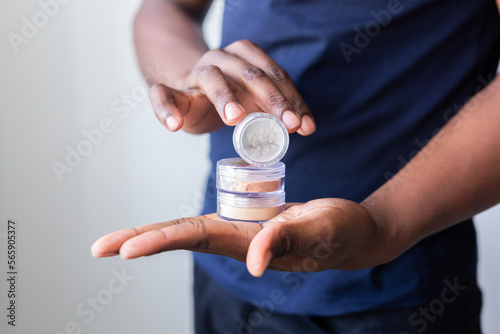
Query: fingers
[
  {"x": 218, "y": 90},
  {"x": 241, "y": 70},
  {"x": 202, "y": 234},
  {"x": 169, "y": 105},
  {"x": 220, "y": 83},
  {"x": 266, "y": 94},
  {"x": 272, "y": 241},
  {"x": 300, "y": 232},
  {"x": 251, "y": 53},
  {"x": 222, "y": 75},
  {"x": 109, "y": 245}
]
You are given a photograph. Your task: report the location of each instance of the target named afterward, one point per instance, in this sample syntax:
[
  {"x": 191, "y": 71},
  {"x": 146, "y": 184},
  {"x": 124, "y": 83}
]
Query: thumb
[
  {"x": 274, "y": 240},
  {"x": 169, "y": 105},
  {"x": 260, "y": 251}
]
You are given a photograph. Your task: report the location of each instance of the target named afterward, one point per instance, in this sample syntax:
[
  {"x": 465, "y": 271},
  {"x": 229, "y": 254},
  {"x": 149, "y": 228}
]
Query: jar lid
[
  {"x": 238, "y": 168},
  {"x": 261, "y": 139}
]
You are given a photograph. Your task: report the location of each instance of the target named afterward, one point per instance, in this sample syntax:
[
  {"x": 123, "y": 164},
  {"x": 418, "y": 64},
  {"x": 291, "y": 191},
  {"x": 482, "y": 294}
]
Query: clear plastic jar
[
  {"x": 236, "y": 175},
  {"x": 250, "y": 207},
  {"x": 261, "y": 139},
  {"x": 250, "y": 193},
  {"x": 252, "y": 188}
]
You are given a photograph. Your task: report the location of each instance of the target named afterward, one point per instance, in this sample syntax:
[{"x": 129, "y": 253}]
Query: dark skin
[
  {"x": 203, "y": 90},
  {"x": 455, "y": 176}
]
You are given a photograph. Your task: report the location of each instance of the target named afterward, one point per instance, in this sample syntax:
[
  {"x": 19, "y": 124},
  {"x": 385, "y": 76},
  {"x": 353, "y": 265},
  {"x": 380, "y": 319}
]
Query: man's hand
[
  {"x": 318, "y": 235},
  {"x": 226, "y": 84},
  {"x": 200, "y": 90}
]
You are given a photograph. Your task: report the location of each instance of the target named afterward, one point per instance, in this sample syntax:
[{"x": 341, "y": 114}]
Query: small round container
[
  {"x": 261, "y": 139},
  {"x": 250, "y": 207},
  {"x": 237, "y": 176}
]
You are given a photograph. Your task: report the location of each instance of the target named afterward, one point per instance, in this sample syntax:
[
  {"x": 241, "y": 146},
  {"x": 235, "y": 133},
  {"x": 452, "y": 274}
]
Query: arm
[
  {"x": 455, "y": 176},
  {"x": 169, "y": 43},
  {"x": 161, "y": 26}
]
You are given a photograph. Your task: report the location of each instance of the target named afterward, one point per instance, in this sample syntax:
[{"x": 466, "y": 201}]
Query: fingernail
[
  {"x": 109, "y": 254},
  {"x": 97, "y": 254},
  {"x": 290, "y": 120},
  {"x": 308, "y": 125},
  {"x": 232, "y": 111},
  {"x": 172, "y": 123}
]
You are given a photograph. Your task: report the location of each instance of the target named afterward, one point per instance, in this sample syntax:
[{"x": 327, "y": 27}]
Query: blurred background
[{"x": 82, "y": 154}]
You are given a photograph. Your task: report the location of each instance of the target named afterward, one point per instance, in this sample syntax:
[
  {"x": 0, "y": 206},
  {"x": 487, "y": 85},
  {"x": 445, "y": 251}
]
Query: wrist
[{"x": 395, "y": 236}]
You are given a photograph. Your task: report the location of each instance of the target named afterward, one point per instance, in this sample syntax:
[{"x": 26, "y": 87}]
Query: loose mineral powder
[
  {"x": 261, "y": 139},
  {"x": 255, "y": 207},
  {"x": 236, "y": 175},
  {"x": 248, "y": 214}
]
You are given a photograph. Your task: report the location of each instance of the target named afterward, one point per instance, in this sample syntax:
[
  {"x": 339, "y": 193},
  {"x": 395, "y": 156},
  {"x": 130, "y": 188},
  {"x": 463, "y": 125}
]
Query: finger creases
[
  {"x": 111, "y": 243},
  {"x": 201, "y": 234},
  {"x": 229, "y": 71},
  {"x": 263, "y": 65},
  {"x": 221, "y": 92},
  {"x": 169, "y": 105}
]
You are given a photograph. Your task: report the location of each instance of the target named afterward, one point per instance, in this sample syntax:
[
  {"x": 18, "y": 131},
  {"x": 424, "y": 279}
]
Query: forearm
[
  {"x": 168, "y": 42},
  {"x": 455, "y": 176}
]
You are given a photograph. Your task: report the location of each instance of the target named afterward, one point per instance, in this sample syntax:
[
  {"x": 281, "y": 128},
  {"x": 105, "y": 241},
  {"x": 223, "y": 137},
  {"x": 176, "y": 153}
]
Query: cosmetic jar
[
  {"x": 252, "y": 187},
  {"x": 237, "y": 176},
  {"x": 248, "y": 192},
  {"x": 254, "y": 207},
  {"x": 261, "y": 139}
]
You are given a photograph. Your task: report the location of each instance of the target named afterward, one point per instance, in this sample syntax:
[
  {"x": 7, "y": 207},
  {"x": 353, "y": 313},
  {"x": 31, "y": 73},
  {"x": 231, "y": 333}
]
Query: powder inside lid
[{"x": 263, "y": 140}]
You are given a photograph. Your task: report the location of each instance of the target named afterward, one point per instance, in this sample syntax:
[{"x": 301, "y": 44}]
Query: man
[{"x": 361, "y": 86}]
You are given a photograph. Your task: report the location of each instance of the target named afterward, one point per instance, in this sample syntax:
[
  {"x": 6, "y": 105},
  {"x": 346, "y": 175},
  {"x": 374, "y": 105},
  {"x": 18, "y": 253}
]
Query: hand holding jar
[{"x": 315, "y": 236}]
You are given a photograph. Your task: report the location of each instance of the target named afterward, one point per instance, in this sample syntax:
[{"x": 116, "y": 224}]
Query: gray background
[{"x": 62, "y": 82}]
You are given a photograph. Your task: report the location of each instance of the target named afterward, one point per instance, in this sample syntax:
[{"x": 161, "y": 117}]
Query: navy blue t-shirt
[{"x": 381, "y": 77}]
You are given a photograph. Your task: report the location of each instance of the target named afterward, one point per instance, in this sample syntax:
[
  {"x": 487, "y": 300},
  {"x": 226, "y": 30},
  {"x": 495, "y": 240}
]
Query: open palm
[{"x": 315, "y": 236}]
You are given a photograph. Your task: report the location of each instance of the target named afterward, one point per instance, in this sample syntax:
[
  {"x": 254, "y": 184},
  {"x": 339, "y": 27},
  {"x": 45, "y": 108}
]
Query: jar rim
[
  {"x": 239, "y": 169},
  {"x": 251, "y": 200}
]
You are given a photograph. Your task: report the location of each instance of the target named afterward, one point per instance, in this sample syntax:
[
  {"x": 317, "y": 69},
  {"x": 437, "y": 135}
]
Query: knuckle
[
  {"x": 155, "y": 92},
  {"x": 288, "y": 244},
  {"x": 241, "y": 44},
  {"x": 222, "y": 93},
  {"x": 214, "y": 53},
  {"x": 178, "y": 221},
  {"x": 153, "y": 89},
  {"x": 247, "y": 43},
  {"x": 203, "y": 243},
  {"x": 277, "y": 100},
  {"x": 278, "y": 74},
  {"x": 160, "y": 107},
  {"x": 299, "y": 105},
  {"x": 207, "y": 71},
  {"x": 253, "y": 72}
]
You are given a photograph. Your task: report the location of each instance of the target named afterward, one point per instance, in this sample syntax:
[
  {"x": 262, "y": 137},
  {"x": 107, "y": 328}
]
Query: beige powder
[
  {"x": 255, "y": 186},
  {"x": 249, "y": 214}
]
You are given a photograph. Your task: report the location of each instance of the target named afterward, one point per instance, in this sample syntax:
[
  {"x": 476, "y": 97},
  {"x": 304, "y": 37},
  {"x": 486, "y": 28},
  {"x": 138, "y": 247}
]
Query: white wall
[
  {"x": 64, "y": 81},
  {"x": 488, "y": 226}
]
